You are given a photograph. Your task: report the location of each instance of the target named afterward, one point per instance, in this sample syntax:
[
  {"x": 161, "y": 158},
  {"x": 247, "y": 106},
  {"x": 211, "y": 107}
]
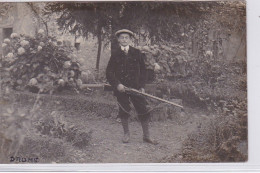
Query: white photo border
[{"x": 253, "y": 163}]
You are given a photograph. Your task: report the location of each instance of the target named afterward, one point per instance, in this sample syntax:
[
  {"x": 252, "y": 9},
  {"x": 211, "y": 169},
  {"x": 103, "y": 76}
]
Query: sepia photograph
[{"x": 123, "y": 82}]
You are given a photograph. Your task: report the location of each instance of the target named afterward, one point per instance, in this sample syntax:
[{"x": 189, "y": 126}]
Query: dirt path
[
  {"x": 106, "y": 144},
  {"x": 107, "y": 147}
]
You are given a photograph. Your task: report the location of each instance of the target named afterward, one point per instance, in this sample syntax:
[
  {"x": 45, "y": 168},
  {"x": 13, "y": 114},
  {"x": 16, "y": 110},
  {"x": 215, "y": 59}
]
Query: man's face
[{"x": 124, "y": 39}]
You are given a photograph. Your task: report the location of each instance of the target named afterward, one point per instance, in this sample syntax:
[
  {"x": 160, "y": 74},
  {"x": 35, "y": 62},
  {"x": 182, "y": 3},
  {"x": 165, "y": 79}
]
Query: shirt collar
[{"x": 124, "y": 47}]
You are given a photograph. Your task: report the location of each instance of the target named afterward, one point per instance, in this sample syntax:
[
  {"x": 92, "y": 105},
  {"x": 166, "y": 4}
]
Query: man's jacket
[{"x": 127, "y": 69}]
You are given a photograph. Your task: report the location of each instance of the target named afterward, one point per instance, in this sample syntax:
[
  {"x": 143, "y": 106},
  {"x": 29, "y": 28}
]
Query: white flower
[
  {"x": 39, "y": 48},
  {"x": 24, "y": 43},
  {"x": 156, "y": 67},
  {"x": 79, "y": 82},
  {"x": 67, "y": 64},
  {"x": 145, "y": 48},
  {"x": 42, "y": 44},
  {"x": 209, "y": 53},
  {"x": 41, "y": 31},
  {"x": 33, "y": 82},
  {"x": 4, "y": 45},
  {"x": 10, "y": 55},
  {"x": 7, "y": 41},
  {"x": 21, "y": 51},
  {"x": 61, "y": 82},
  {"x": 14, "y": 35}
]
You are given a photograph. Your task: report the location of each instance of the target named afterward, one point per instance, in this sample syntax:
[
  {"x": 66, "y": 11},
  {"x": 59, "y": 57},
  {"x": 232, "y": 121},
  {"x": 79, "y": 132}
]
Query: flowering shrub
[
  {"x": 39, "y": 64},
  {"x": 166, "y": 61},
  {"x": 173, "y": 62},
  {"x": 201, "y": 76}
]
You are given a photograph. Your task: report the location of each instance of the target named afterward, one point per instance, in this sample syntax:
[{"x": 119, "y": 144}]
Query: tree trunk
[
  {"x": 99, "y": 47},
  {"x": 114, "y": 42},
  {"x": 38, "y": 16}
]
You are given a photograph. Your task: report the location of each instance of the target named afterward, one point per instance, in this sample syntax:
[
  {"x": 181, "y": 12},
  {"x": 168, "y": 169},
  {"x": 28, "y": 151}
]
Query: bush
[
  {"x": 217, "y": 86},
  {"x": 221, "y": 138},
  {"x": 15, "y": 122},
  {"x": 56, "y": 126},
  {"x": 40, "y": 64},
  {"x": 166, "y": 61},
  {"x": 202, "y": 81}
]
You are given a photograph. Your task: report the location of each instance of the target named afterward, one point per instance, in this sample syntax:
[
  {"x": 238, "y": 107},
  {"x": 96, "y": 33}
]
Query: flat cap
[{"x": 124, "y": 31}]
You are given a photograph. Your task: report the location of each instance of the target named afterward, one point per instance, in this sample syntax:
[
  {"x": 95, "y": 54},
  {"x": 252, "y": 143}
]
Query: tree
[
  {"x": 103, "y": 19},
  {"x": 163, "y": 21},
  {"x": 85, "y": 19},
  {"x": 37, "y": 9}
]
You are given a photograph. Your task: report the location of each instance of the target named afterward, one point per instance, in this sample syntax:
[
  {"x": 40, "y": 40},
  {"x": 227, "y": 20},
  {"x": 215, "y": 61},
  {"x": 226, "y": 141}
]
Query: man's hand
[
  {"x": 142, "y": 90},
  {"x": 121, "y": 88}
]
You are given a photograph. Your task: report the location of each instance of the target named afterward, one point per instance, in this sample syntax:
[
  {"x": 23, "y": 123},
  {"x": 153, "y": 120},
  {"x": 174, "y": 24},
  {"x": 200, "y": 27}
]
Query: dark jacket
[{"x": 128, "y": 70}]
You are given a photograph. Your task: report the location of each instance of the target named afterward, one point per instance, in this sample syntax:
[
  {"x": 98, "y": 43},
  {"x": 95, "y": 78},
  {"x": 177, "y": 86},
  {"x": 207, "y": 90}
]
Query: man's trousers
[{"x": 139, "y": 103}]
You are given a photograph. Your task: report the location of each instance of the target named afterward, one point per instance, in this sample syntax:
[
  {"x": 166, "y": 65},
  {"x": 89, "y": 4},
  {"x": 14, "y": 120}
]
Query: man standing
[{"x": 126, "y": 68}]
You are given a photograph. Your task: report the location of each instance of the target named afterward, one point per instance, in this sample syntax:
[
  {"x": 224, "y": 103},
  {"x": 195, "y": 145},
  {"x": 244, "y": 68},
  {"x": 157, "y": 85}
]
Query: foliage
[
  {"x": 222, "y": 139},
  {"x": 28, "y": 116},
  {"x": 202, "y": 79},
  {"x": 16, "y": 121},
  {"x": 39, "y": 63},
  {"x": 166, "y": 61},
  {"x": 219, "y": 137},
  {"x": 218, "y": 87},
  {"x": 85, "y": 19},
  {"x": 147, "y": 18},
  {"x": 57, "y": 127}
]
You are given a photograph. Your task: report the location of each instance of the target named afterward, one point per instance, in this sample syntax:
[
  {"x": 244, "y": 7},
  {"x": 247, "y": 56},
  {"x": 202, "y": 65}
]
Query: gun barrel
[
  {"x": 154, "y": 97},
  {"x": 108, "y": 87}
]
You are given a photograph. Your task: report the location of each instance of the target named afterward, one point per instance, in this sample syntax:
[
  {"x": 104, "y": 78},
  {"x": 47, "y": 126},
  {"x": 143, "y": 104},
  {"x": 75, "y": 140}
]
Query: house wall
[{"x": 19, "y": 17}]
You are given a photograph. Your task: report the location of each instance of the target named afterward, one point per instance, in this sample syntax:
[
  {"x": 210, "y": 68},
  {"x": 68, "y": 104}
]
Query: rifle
[{"x": 108, "y": 87}]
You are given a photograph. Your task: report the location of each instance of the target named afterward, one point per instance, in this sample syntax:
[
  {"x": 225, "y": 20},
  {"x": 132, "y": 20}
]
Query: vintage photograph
[{"x": 123, "y": 82}]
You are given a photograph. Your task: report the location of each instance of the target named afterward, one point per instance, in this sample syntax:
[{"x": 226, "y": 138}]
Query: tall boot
[
  {"x": 146, "y": 133},
  {"x": 126, "y": 137}
]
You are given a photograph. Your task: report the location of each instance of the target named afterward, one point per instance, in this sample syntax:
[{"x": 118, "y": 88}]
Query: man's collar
[{"x": 124, "y": 47}]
